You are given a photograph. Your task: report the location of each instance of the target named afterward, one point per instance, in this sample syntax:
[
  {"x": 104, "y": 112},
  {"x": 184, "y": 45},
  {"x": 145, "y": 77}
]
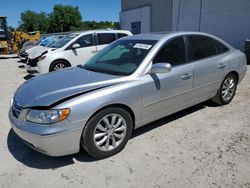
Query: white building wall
[
  {"x": 228, "y": 19},
  {"x": 136, "y": 15}
]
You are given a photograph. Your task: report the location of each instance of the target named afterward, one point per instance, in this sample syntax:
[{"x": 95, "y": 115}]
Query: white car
[
  {"x": 72, "y": 50},
  {"x": 31, "y": 49}
]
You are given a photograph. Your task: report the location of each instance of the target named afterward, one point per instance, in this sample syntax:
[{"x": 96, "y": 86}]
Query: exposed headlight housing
[{"x": 47, "y": 116}]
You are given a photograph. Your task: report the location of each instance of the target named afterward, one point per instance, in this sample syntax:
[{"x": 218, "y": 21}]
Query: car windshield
[
  {"x": 121, "y": 57},
  {"x": 63, "y": 41}
]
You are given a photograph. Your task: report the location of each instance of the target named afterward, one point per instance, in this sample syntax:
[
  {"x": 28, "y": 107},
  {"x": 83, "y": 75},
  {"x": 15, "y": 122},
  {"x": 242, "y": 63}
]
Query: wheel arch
[
  {"x": 119, "y": 105},
  {"x": 235, "y": 73}
]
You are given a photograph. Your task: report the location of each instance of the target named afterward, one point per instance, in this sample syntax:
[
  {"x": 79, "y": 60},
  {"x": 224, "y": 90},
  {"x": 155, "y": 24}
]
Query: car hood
[
  {"x": 37, "y": 51},
  {"x": 46, "y": 90}
]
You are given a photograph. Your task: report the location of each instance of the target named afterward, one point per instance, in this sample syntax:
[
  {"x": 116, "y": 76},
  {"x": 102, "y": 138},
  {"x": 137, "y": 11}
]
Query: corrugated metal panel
[{"x": 161, "y": 12}]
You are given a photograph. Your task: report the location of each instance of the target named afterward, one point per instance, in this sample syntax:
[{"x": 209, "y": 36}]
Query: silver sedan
[{"x": 132, "y": 82}]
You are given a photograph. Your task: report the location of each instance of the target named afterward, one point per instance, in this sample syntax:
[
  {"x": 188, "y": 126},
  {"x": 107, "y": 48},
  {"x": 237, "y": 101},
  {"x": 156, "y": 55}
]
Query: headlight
[
  {"x": 47, "y": 116},
  {"x": 41, "y": 58}
]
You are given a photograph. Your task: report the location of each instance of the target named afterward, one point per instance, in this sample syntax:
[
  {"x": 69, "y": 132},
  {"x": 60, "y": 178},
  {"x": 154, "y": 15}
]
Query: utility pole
[
  {"x": 178, "y": 17},
  {"x": 200, "y": 15}
]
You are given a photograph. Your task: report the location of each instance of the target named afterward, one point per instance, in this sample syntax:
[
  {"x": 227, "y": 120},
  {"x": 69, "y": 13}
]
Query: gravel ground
[{"x": 204, "y": 146}]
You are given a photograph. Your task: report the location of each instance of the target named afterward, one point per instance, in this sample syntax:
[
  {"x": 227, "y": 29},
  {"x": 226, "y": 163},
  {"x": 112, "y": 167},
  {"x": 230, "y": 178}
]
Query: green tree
[
  {"x": 88, "y": 25},
  {"x": 32, "y": 21},
  {"x": 65, "y": 18},
  {"x": 62, "y": 19}
]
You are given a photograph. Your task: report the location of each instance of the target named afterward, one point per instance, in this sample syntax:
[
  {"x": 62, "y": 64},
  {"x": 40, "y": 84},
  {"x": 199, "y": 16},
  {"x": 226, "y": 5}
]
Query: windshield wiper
[
  {"x": 80, "y": 66},
  {"x": 88, "y": 68},
  {"x": 101, "y": 71}
]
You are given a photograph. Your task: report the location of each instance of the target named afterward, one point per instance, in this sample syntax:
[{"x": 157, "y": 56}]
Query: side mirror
[
  {"x": 76, "y": 45},
  {"x": 160, "y": 68}
]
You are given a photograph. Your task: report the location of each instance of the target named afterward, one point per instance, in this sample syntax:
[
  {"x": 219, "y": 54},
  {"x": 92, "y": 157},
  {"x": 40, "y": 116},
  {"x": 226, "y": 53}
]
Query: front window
[
  {"x": 120, "y": 58},
  {"x": 85, "y": 41},
  {"x": 174, "y": 52},
  {"x": 63, "y": 41}
]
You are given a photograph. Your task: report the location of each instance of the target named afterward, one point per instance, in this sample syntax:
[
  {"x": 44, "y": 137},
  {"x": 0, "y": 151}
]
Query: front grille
[{"x": 16, "y": 109}]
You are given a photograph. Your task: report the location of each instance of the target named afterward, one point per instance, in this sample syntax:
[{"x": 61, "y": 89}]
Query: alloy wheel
[
  {"x": 59, "y": 66},
  {"x": 228, "y": 89},
  {"x": 109, "y": 132}
]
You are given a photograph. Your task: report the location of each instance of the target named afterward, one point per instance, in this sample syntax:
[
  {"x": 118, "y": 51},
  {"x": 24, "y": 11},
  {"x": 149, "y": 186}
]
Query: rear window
[
  {"x": 105, "y": 38},
  {"x": 201, "y": 47},
  {"x": 221, "y": 48}
]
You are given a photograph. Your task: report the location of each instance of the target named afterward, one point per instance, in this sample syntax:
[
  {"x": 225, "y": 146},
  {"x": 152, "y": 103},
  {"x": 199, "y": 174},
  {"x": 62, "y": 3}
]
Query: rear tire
[
  {"x": 227, "y": 90},
  {"x": 58, "y": 65},
  {"x": 107, "y": 132}
]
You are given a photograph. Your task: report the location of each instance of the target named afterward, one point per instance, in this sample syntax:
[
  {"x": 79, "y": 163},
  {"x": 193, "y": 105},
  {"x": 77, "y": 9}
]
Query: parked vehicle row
[
  {"x": 71, "y": 50},
  {"x": 131, "y": 82}
]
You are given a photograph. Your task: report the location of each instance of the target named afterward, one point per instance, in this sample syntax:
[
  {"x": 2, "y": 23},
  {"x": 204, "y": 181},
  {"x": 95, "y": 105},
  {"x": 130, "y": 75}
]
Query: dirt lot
[{"x": 204, "y": 146}]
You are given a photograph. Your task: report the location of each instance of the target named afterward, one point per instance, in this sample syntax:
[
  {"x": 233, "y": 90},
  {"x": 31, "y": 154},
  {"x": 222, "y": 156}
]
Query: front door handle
[
  {"x": 186, "y": 76},
  {"x": 221, "y": 66}
]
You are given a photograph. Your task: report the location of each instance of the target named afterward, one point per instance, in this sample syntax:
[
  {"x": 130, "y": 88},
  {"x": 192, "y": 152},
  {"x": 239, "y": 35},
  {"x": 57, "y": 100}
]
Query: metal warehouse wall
[
  {"x": 161, "y": 12},
  {"x": 228, "y": 19}
]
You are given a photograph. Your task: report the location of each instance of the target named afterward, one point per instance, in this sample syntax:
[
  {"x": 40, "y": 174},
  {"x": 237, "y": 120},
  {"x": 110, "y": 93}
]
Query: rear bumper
[
  {"x": 60, "y": 139},
  {"x": 243, "y": 72}
]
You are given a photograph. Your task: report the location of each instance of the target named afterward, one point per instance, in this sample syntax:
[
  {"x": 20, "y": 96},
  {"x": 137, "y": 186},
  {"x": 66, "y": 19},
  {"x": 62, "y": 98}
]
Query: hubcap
[
  {"x": 59, "y": 66},
  {"x": 228, "y": 89},
  {"x": 109, "y": 132}
]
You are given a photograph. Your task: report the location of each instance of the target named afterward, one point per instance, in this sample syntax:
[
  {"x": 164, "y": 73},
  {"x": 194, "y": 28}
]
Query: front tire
[
  {"x": 58, "y": 65},
  {"x": 107, "y": 132},
  {"x": 227, "y": 90}
]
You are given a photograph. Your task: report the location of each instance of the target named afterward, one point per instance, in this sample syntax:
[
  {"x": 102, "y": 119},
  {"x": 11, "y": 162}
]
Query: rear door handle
[
  {"x": 221, "y": 66},
  {"x": 186, "y": 76}
]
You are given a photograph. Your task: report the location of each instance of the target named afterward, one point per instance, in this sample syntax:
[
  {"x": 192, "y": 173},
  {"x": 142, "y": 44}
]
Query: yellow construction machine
[{"x": 11, "y": 42}]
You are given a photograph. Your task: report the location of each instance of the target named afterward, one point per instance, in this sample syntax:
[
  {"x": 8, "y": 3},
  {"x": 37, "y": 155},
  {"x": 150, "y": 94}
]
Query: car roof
[
  {"x": 101, "y": 30},
  {"x": 163, "y": 35}
]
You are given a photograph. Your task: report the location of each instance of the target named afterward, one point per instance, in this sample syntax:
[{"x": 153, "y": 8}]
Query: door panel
[
  {"x": 208, "y": 75},
  {"x": 82, "y": 54},
  {"x": 163, "y": 93},
  {"x": 168, "y": 92},
  {"x": 209, "y": 67}
]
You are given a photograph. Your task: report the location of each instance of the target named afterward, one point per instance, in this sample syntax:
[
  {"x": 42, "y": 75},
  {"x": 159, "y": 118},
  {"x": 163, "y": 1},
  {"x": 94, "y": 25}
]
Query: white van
[{"x": 72, "y": 50}]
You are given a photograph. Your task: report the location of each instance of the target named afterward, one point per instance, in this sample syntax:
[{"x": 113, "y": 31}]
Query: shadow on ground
[
  {"x": 31, "y": 158},
  {"x": 28, "y": 76}
]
